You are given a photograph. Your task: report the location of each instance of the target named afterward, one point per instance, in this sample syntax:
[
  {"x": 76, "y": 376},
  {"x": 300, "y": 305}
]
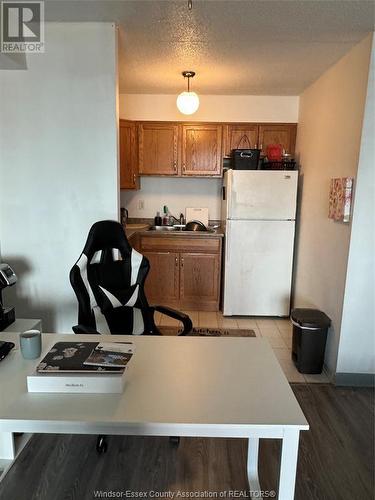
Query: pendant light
[{"x": 188, "y": 102}]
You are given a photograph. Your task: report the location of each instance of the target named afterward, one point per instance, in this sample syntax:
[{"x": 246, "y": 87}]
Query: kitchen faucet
[{"x": 180, "y": 221}]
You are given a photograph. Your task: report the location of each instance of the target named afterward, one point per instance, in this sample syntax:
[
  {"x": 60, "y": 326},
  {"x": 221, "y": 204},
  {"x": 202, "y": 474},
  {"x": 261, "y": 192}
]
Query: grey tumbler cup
[{"x": 31, "y": 344}]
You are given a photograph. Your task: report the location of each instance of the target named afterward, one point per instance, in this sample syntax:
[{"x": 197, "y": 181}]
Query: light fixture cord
[
  {"x": 188, "y": 83},
  {"x": 190, "y": 4}
]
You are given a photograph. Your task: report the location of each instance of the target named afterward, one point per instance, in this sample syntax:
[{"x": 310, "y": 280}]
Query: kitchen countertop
[{"x": 131, "y": 231}]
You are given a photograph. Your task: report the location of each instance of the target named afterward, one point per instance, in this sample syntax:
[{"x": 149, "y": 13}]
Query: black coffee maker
[{"x": 7, "y": 278}]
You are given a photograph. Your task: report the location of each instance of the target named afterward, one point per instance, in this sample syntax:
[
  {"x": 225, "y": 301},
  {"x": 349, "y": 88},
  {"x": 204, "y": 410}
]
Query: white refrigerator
[{"x": 258, "y": 214}]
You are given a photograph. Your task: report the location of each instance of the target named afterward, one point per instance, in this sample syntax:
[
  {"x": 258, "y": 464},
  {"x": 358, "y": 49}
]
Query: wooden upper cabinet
[
  {"x": 274, "y": 133},
  {"x": 202, "y": 150},
  {"x": 192, "y": 149},
  {"x": 240, "y": 136},
  {"x": 128, "y": 156},
  {"x": 158, "y": 152}
]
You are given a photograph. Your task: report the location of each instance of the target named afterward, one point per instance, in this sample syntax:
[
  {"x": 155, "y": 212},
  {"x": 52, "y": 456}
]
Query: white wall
[
  {"x": 178, "y": 194},
  {"x": 357, "y": 338},
  {"x": 328, "y": 144},
  {"x": 58, "y": 164},
  {"x": 220, "y": 108}
]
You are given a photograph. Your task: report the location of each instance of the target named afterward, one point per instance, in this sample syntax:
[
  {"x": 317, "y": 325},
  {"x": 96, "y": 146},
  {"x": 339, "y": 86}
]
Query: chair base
[
  {"x": 174, "y": 441},
  {"x": 101, "y": 444}
]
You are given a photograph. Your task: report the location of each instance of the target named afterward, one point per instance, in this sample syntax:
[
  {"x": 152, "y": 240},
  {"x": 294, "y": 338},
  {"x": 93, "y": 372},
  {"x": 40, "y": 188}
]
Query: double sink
[{"x": 177, "y": 228}]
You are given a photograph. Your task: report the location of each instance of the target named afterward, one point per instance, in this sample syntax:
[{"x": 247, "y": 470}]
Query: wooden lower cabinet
[
  {"x": 134, "y": 241},
  {"x": 186, "y": 275},
  {"x": 162, "y": 282},
  {"x": 199, "y": 282}
]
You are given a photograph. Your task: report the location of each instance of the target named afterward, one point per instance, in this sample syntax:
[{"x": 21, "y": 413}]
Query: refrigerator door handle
[
  {"x": 223, "y": 193},
  {"x": 227, "y": 244}
]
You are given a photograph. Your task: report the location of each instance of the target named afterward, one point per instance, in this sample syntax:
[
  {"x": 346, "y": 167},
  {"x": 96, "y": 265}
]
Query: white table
[{"x": 176, "y": 386}]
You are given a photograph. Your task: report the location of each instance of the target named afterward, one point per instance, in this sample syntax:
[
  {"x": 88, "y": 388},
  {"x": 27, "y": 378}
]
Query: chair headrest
[{"x": 105, "y": 235}]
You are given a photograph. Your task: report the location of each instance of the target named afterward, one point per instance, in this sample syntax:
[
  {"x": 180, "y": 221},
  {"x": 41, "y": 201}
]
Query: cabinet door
[
  {"x": 201, "y": 150},
  {"x": 162, "y": 283},
  {"x": 200, "y": 281},
  {"x": 158, "y": 148},
  {"x": 240, "y": 136},
  {"x": 128, "y": 156},
  {"x": 273, "y": 133}
]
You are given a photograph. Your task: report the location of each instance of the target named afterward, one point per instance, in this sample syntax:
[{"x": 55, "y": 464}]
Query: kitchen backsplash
[{"x": 177, "y": 194}]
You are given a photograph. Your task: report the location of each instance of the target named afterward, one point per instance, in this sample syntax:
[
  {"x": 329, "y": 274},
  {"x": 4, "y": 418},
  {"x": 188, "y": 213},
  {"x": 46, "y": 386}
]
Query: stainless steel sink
[
  {"x": 164, "y": 228},
  {"x": 176, "y": 228}
]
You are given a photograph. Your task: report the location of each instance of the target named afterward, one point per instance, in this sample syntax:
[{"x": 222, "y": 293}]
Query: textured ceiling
[{"x": 235, "y": 47}]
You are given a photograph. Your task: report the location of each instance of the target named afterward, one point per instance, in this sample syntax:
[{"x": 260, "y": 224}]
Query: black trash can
[{"x": 310, "y": 328}]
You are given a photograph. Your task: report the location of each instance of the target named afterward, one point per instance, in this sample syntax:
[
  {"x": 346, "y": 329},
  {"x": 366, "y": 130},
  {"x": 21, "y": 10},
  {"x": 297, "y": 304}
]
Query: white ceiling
[{"x": 236, "y": 47}]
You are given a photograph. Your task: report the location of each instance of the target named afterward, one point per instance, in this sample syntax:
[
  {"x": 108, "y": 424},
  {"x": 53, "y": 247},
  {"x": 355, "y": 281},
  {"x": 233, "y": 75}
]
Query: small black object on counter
[
  {"x": 124, "y": 216},
  {"x": 5, "y": 348},
  {"x": 157, "y": 220}
]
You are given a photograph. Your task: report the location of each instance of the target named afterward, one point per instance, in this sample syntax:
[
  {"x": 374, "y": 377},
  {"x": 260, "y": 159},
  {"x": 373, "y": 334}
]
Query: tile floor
[{"x": 278, "y": 333}]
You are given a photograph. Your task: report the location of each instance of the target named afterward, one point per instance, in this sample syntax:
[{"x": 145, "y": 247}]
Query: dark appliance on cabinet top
[
  {"x": 245, "y": 159},
  {"x": 7, "y": 278}
]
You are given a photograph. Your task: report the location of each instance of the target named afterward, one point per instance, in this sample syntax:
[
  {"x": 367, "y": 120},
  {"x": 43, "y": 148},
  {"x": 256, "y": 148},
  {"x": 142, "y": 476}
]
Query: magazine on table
[
  {"x": 110, "y": 354},
  {"x": 87, "y": 357}
]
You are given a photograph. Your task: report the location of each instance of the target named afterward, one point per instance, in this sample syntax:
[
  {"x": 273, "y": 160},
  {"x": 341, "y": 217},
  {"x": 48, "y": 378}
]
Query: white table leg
[
  {"x": 252, "y": 467},
  {"x": 288, "y": 467},
  {"x": 7, "y": 449}
]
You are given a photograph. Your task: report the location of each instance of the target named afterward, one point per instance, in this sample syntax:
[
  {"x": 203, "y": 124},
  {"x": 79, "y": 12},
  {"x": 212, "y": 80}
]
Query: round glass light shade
[{"x": 188, "y": 102}]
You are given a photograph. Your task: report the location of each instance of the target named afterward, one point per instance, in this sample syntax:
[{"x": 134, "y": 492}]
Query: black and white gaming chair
[{"x": 108, "y": 280}]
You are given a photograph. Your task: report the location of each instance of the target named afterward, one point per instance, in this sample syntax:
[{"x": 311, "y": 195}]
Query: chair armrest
[
  {"x": 79, "y": 329},
  {"x": 180, "y": 316}
]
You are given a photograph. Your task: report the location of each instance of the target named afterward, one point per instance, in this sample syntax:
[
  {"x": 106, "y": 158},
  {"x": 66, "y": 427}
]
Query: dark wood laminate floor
[{"x": 336, "y": 459}]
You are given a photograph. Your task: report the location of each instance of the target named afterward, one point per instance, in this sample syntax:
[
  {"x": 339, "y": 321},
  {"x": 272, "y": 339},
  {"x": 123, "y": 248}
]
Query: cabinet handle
[
  {"x": 176, "y": 261},
  {"x": 175, "y": 166},
  {"x": 261, "y": 146},
  {"x": 183, "y": 167},
  {"x": 134, "y": 179},
  {"x": 182, "y": 262}
]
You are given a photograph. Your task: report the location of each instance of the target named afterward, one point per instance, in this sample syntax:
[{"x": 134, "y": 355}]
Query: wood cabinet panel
[
  {"x": 135, "y": 242},
  {"x": 128, "y": 156},
  {"x": 162, "y": 283},
  {"x": 202, "y": 150},
  {"x": 186, "y": 274},
  {"x": 158, "y": 152},
  {"x": 278, "y": 133},
  {"x": 192, "y": 149},
  {"x": 180, "y": 244},
  {"x": 240, "y": 136},
  {"x": 199, "y": 282}
]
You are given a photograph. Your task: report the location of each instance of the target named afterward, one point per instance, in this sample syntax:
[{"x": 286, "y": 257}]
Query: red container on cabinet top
[{"x": 274, "y": 152}]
